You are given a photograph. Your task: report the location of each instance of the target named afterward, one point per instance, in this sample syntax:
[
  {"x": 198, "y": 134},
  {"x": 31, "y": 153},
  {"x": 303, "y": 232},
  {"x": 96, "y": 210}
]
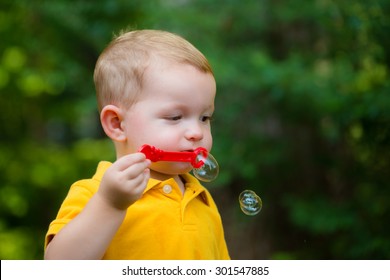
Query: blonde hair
[{"x": 120, "y": 68}]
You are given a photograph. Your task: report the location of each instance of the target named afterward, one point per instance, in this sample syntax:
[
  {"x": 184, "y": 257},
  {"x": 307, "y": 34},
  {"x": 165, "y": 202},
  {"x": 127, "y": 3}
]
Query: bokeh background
[{"x": 303, "y": 116}]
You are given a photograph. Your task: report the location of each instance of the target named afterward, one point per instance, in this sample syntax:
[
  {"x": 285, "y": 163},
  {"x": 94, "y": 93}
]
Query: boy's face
[{"x": 173, "y": 113}]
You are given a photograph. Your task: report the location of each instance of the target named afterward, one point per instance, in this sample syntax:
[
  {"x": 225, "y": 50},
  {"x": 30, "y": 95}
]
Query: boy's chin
[{"x": 172, "y": 168}]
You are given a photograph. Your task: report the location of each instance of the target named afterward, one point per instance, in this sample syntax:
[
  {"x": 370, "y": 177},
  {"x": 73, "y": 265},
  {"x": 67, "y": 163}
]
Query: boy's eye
[
  {"x": 206, "y": 118},
  {"x": 175, "y": 118}
]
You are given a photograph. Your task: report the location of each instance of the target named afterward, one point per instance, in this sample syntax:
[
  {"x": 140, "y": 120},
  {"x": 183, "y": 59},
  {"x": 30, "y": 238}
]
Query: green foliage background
[{"x": 303, "y": 116}]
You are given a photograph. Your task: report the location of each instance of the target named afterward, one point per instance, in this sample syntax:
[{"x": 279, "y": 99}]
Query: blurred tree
[
  {"x": 303, "y": 116},
  {"x": 50, "y": 135}
]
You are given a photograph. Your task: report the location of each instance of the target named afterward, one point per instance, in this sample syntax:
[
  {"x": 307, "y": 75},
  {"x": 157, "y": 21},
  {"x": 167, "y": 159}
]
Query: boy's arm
[{"x": 89, "y": 234}]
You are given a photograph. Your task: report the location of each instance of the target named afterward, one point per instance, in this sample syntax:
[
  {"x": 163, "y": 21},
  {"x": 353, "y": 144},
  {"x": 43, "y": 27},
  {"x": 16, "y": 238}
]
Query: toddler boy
[{"x": 153, "y": 87}]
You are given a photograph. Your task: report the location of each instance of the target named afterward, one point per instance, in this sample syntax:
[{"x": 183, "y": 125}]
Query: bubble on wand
[
  {"x": 209, "y": 170},
  {"x": 250, "y": 203}
]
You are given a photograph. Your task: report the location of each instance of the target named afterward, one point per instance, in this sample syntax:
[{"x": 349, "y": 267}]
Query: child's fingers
[
  {"x": 139, "y": 183},
  {"x": 136, "y": 169},
  {"x": 127, "y": 161}
]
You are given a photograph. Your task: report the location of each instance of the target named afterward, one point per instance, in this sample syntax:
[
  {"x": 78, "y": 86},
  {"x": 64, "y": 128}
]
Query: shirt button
[{"x": 167, "y": 189}]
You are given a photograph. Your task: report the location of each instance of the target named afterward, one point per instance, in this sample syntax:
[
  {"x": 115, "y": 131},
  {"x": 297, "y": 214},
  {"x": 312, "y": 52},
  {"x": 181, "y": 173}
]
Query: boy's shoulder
[
  {"x": 87, "y": 186},
  {"x": 91, "y": 185}
]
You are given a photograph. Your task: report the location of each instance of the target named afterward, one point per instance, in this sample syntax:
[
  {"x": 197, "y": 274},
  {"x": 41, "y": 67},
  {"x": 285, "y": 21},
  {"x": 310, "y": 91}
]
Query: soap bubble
[
  {"x": 250, "y": 202},
  {"x": 209, "y": 170}
]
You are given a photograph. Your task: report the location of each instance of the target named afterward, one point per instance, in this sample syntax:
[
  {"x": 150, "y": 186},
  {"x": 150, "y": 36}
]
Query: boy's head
[
  {"x": 120, "y": 69},
  {"x": 155, "y": 88}
]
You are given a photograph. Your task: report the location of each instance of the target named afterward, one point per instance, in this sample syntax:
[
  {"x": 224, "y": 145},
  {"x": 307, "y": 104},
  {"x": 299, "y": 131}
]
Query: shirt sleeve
[{"x": 78, "y": 196}]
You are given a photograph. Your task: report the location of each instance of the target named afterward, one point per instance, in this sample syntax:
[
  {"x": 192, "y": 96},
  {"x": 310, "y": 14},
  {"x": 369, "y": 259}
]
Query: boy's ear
[{"x": 111, "y": 118}]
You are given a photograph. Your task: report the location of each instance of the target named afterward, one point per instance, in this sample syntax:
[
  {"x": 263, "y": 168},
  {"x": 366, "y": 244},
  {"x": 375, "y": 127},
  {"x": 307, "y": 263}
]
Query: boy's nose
[{"x": 194, "y": 132}]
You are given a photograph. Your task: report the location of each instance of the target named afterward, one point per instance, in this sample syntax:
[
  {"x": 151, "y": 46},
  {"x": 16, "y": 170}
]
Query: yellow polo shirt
[{"x": 163, "y": 224}]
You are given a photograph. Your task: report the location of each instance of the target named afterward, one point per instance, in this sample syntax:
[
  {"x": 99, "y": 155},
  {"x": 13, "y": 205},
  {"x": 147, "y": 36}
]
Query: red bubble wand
[{"x": 195, "y": 157}]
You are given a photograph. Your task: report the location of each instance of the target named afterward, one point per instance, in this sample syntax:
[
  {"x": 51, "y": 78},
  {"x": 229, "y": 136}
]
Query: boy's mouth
[{"x": 188, "y": 155}]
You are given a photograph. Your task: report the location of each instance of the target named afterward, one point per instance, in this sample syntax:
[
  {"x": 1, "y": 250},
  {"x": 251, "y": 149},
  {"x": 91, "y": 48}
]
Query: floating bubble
[
  {"x": 209, "y": 170},
  {"x": 250, "y": 202}
]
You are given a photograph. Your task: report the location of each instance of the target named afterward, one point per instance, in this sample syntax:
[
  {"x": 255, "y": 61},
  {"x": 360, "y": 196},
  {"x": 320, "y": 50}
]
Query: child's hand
[{"x": 125, "y": 180}]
